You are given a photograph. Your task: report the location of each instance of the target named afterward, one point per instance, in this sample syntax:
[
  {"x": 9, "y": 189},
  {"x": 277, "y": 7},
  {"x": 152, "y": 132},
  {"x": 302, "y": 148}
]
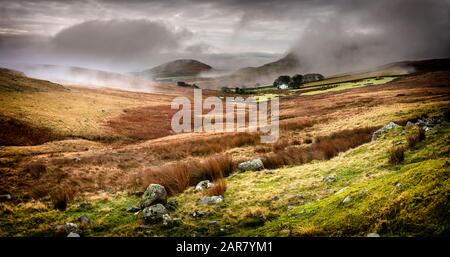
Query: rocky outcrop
[{"x": 384, "y": 129}]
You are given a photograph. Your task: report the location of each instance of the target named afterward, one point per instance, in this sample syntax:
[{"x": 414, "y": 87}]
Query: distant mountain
[
  {"x": 177, "y": 68},
  {"x": 289, "y": 63}
]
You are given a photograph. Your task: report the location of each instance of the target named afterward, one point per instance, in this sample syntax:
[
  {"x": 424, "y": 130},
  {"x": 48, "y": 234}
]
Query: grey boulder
[
  {"x": 154, "y": 194},
  {"x": 210, "y": 199},
  {"x": 253, "y": 165},
  {"x": 202, "y": 185},
  {"x": 154, "y": 214}
]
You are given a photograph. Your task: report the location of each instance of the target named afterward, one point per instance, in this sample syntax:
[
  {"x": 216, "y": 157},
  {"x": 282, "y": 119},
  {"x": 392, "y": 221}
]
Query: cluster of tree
[
  {"x": 184, "y": 84},
  {"x": 297, "y": 80}
]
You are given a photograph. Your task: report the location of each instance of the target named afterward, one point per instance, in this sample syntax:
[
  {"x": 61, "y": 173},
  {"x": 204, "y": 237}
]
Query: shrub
[
  {"x": 35, "y": 170},
  {"x": 396, "y": 154},
  {"x": 416, "y": 137},
  {"x": 219, "y": 188},
  {"x": 61, "y": 196}
]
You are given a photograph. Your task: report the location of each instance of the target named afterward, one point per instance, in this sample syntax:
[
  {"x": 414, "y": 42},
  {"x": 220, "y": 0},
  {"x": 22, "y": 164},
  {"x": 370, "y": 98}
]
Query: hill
[
  {"x": 15, "y": 81},
  {"x": 177, "y": 68},
  {"x": 71, "y": 75},
  {"x": 289, "y": 63}
]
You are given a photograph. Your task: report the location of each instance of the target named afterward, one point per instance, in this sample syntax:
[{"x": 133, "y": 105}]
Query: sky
[{"x": 121, "y": 36}]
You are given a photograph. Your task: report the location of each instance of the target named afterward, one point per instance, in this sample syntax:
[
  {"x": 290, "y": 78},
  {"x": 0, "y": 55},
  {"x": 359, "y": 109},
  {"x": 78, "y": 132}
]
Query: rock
[
  {"x": 154, "y": 194},
  {"x": 199, "y": 214},
  {"x": 77, "y": 159},
  {"x": 253, "y": 165},
  {"x": 83, "y": 220},
  {"x": 346, "y": 199},
  {"x": 290, "y": 207},
  {"x": 169, "y": 222},
  {"x": 72, "y": 227},
  {"x": 133, "y": 209},
  {"x": 71, "y": 234},
  {"x": 210, "y": 199},
  {"x": 409, "y": 124},
  {"x": 202, "y": 185},
  {"x": 330, "y": 178},
  {"x": 373, "y": 235},
  {"x": 379, "y": 132},
  {"x": 213, "y": 223},
  {"x": 154, "y": 214},
  {"x": 5, "y": 197},
  {"x": 341, "y": 190},
  {"x": 300, "y": 196}
]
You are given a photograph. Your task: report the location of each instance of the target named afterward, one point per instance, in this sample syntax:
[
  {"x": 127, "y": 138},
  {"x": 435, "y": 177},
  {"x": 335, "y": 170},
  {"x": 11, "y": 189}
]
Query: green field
[{"x": 347, "y": 85}]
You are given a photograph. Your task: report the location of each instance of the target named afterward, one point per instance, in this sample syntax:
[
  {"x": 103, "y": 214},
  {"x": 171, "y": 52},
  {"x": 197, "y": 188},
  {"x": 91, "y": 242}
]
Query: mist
[{"x": 328, "y": 37}]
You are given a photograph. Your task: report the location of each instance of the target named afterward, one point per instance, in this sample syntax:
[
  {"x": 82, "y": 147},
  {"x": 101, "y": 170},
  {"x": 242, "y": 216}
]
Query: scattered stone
[
  {"x": 210, "y": 199},
  {"x": 170, "y": 222},
  {"x": 290, "y": 207},
  {"x": 379, "y": 132},
  {"x": 77, "y": 159},
  {"x": 154, "y": 214},
  {"x": 72, "y": 227},
  {"x": 300, "y": 196},
  {"x": 154, "y": 194},
  {"x": 330, "y": 178},
  {"x": 83, "y": 220},
  {"x": 213, "y": 223},
  {"x": 202, "y": 185},
  {"x": 373, "y": 235},
  {"x": 72, "y": 234},
  {"x": 5, "y": 197},
  {"x": 346, "y": 199},
  {"x": 199, "y": 214},
  {"x": 133, "y": 209},
  {"x": 409, "y": 124},
  {"x": 341, "y": 190},
  {"x": 253, "y": 165}
]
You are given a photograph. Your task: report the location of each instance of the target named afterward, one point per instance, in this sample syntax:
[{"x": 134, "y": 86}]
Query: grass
[
  {"x": 405, "y": 199},
  {"x": 347, "y": 85}
]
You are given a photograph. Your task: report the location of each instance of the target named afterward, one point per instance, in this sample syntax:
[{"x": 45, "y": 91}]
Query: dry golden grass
[{"x": 219, "y": 188}]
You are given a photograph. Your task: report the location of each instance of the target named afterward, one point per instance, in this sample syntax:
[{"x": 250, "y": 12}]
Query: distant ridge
[{"x": 177, "y": 68}]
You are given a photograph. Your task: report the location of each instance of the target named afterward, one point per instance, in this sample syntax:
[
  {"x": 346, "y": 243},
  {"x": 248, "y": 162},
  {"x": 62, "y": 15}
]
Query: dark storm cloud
[
  {"x": 119, "y": 39},
  {"x": 328, "y": 36}
]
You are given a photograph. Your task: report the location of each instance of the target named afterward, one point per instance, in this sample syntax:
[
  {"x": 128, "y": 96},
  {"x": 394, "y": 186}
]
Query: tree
[
  {"x": 296, "y": 81},
  {"x": 284, "y": 79}
]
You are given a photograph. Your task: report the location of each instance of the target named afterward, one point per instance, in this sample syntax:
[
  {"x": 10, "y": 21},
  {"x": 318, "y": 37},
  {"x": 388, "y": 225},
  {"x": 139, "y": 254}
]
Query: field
[{"x": 101, "y": 146}]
